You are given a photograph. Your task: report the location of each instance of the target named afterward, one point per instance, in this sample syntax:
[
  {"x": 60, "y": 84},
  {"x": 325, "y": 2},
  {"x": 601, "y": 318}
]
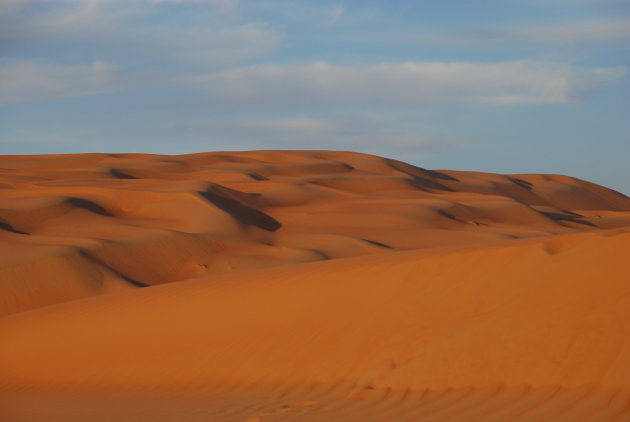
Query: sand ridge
[
  {"x": 308, "y": 285},
  {"x": 105, "y": 222}
]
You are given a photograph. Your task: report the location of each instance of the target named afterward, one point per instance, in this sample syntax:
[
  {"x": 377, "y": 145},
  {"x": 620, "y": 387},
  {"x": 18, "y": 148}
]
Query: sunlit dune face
[
  {"x": 120, "y": 221},
  {"x": 308, "y": 285}
]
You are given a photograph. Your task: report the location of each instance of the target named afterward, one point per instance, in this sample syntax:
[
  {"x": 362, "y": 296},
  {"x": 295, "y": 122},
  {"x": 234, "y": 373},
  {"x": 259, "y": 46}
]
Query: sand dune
[{"x": 211, "y": 287}]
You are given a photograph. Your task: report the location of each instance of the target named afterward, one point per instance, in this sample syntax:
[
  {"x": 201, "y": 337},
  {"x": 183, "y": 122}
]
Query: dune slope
[
  {"x": 505, "y": 328},
  {"x": 211, "y": 287},
  {"x": 81, "y": 225}
]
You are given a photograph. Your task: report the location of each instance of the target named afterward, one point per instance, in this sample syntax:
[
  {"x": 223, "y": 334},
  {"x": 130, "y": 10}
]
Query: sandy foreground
[{"x": 308, "y": 286}]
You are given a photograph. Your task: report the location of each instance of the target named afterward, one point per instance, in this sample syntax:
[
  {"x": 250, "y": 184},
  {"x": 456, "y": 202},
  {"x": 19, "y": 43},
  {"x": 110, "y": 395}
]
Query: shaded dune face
[
  {"x": 308, "y": 286},
  {"x": 136, "y": 219}
]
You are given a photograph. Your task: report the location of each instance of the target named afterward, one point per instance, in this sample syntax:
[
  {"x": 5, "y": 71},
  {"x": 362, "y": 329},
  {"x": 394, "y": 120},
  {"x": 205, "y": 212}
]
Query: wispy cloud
[
  {"x": 379, "y": 134},
  {"x": 573, "y": 2},
  {"x": 513, "y": 35},
  {"x": 53, "y": 19},
  {"x": 405, "y": 84},
  {"x": 336, "y": 12},
  {"x": 29, "y": 81},
  {"x": 222, "y": 4},
  {"x": 555, "y": 32},
  {"x": 301, "y": 124},
  {"x": 17, "y": 3},
  {"x": 140, "y": 34},
  {"x": 209, "y": 46}
]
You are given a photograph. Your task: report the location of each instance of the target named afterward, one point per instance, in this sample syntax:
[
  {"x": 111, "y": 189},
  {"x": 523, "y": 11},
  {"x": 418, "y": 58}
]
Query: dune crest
[{"x": 308, "y": 285}]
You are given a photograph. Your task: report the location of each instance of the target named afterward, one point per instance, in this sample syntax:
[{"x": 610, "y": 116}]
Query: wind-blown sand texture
[{"x": 210, "y": 287}]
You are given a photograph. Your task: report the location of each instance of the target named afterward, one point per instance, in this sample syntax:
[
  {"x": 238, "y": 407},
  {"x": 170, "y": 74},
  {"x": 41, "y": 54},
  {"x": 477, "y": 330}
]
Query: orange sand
[{"x": 461, "y": 296}]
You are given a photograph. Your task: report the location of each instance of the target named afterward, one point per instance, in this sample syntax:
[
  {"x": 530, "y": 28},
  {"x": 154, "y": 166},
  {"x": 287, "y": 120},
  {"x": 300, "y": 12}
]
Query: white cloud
[
  {"x": 115, "y": 31},
  {"x": 404, "y": 84},
  {"x": 30, "y": 81}
]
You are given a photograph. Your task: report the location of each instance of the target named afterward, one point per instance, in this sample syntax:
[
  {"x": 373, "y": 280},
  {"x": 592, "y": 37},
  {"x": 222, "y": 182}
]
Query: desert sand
[{"x": 308, "y": 286}]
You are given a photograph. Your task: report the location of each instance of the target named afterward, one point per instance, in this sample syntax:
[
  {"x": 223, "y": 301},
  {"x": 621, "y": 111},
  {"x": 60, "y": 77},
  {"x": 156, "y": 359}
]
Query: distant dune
[{"x": 308, "y": 286}]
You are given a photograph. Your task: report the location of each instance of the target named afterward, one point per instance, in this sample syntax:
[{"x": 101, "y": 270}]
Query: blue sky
[{"x": 508, "y": 86}]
